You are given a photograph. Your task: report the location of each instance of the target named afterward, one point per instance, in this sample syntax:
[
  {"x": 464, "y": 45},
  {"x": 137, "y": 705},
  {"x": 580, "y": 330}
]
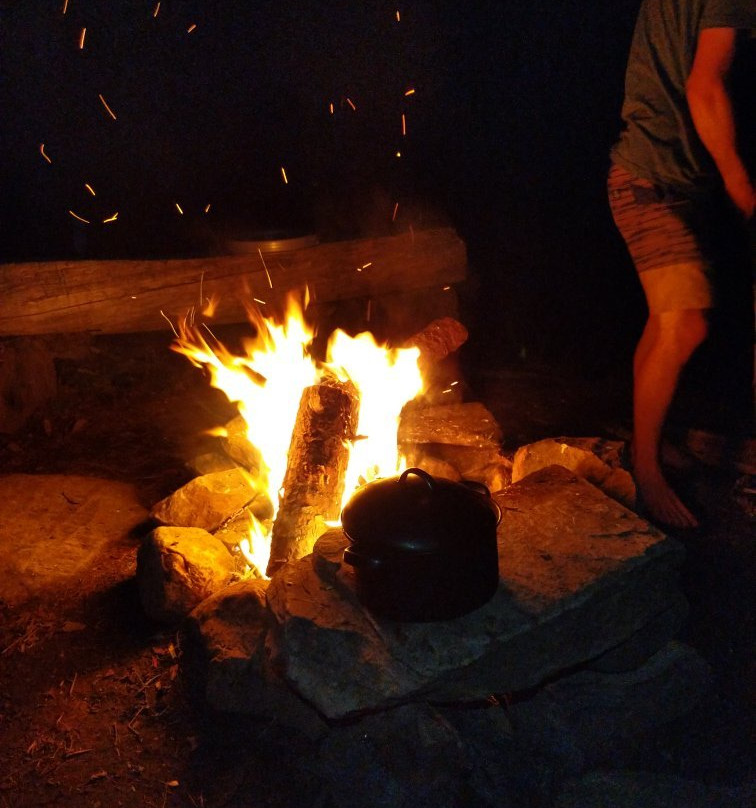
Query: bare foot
[{"x": 661, "y": 502}]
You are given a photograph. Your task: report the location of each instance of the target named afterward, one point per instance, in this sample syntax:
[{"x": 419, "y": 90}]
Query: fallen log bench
[{"x": 122, "y": 296}]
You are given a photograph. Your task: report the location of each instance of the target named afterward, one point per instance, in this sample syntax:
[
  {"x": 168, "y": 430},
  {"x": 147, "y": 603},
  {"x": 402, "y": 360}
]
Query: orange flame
[{"x": 266, "y": 384}]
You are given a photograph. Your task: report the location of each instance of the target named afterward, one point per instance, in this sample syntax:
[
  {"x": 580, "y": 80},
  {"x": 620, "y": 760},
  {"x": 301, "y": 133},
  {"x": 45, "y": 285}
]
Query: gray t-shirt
[{"x": 658, "y": 140}]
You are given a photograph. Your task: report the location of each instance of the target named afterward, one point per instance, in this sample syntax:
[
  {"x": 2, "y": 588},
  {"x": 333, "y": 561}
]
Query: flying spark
[
  {"x": 404, "y": 125},
  {"x": 283, "y": 174},
  {"x": 393, "y": 215},
  {"x": 411, "y": 91},
  {"x": 82, "y": 37},
  {"x": 157, "y": 9},
  {"x": 110, "y": 218},
  {"x": 76, "y": 216},
  {"x": 207, "y": 208},
  {"x": 90, "y": 189},
  {"x": 105, "y": 104},
  {"x": 267, "y": 274},
  {"x": 65, "y": 6},
  {"x": 330, "y": 107},
  {"x": 398, "y": 16},
  {"x": 178, "y": 208},
  {"x": 168, "y": 320},
  {"x": 191, "y": 28},
  {"x": 351, "y": 104},
  {"x": 42, "y": 152}
]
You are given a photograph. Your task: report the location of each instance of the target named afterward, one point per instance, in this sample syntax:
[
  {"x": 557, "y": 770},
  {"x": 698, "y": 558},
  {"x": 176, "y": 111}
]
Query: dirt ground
[{"x": 93, "y": 708}]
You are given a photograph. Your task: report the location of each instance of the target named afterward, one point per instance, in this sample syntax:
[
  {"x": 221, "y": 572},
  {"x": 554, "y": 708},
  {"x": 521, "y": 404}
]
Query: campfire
[{"x": 319, "y": 428}]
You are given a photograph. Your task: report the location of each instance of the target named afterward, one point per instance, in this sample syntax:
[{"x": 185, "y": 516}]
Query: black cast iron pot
[{"x": 422, "y": 548}]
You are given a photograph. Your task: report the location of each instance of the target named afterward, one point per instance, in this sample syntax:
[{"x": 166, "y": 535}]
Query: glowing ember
[
  {"x": 108, "y": 109},
  {"x": 267, "y": 382}
]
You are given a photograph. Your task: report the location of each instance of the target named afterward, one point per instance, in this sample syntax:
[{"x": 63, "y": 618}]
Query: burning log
[
  {"x": 438, "y": 343},
  {"x": 314, "y": 481},
  {"x": 438, "y": 339}
]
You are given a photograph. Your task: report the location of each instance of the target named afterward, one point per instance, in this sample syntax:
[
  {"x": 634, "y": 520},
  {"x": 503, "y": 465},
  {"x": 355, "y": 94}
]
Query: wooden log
[
  {"x": 122, "y": 296},
  {"x": 438, "y": 339},
  {"x": 314, "y": 481}
]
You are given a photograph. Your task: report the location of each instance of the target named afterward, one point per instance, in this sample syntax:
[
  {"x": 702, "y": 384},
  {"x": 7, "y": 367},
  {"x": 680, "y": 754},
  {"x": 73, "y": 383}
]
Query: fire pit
[{"x": 344, "y": 631}]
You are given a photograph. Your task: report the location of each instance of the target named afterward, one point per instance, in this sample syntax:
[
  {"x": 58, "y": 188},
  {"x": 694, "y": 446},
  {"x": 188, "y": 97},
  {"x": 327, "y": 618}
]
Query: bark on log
[
  {"x": 438, "y": 339},
  {"x": 122, "y": 296},
  {"x": 314, "y": 481}
]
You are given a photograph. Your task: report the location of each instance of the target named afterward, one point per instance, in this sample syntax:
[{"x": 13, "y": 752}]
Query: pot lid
[{"x": 416, "y": 512}]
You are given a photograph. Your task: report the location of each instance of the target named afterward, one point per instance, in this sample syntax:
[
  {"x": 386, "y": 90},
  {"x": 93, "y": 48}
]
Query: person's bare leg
[{"x": 667, "y": 343}]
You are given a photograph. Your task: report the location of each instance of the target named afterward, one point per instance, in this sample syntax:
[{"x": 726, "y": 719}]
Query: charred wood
[
  {"x": 314, "y": 482},
  {"x": 438, "y": 339}
]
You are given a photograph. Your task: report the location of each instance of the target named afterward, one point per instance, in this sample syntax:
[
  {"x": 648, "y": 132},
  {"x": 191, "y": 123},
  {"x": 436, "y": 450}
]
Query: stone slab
[
  {"x": 597, "y": 460},
  {"x": 461, "y": 424},
  {"x": 53, "y": 527},
  {"x": 207, "y": 501},
  {"x": 226, "y": 654},
  {"x": 177, "y": 568},
  {"x": 579, "y": 574}
]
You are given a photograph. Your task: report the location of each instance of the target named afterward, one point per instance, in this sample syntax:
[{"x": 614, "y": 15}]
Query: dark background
[{"x": 516, "y": 106}]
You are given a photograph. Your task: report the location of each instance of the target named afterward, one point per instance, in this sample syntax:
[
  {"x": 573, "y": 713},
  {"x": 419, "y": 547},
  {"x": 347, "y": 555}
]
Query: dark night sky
[
  {"x": 516, "y": 105},
  {"x": 507, "y": 95}
]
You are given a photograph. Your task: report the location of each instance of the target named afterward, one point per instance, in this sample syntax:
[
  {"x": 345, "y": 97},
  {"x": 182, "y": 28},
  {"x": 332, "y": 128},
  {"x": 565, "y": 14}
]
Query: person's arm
[{"x": 711, "y": 110}]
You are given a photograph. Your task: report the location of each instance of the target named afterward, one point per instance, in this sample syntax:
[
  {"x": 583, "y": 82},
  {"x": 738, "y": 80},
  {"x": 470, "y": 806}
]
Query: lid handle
[{"x": 429, "y": 481}]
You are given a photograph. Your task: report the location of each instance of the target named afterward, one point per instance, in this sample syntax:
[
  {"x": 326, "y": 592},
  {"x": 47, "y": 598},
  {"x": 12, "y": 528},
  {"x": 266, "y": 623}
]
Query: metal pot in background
[{"x": 423, "y": 548}]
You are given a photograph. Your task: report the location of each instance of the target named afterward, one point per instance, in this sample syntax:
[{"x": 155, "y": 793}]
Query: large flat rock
[
  {"x": 579, "y": 575},
  {"x": 53, "y": 527}
]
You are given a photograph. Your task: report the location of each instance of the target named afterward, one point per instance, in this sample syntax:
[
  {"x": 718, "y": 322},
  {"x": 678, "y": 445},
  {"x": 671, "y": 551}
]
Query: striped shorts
[{"x": 665, "y": 236}]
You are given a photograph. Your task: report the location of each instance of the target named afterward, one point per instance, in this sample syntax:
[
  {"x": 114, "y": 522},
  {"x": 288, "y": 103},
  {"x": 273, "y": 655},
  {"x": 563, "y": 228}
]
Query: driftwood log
[
  {"x": 138, "y": 295},
  {"x": 314, "y": 481}
]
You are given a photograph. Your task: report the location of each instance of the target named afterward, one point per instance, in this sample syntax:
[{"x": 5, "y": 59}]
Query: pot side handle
[{"x": 360, "y": 561}]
